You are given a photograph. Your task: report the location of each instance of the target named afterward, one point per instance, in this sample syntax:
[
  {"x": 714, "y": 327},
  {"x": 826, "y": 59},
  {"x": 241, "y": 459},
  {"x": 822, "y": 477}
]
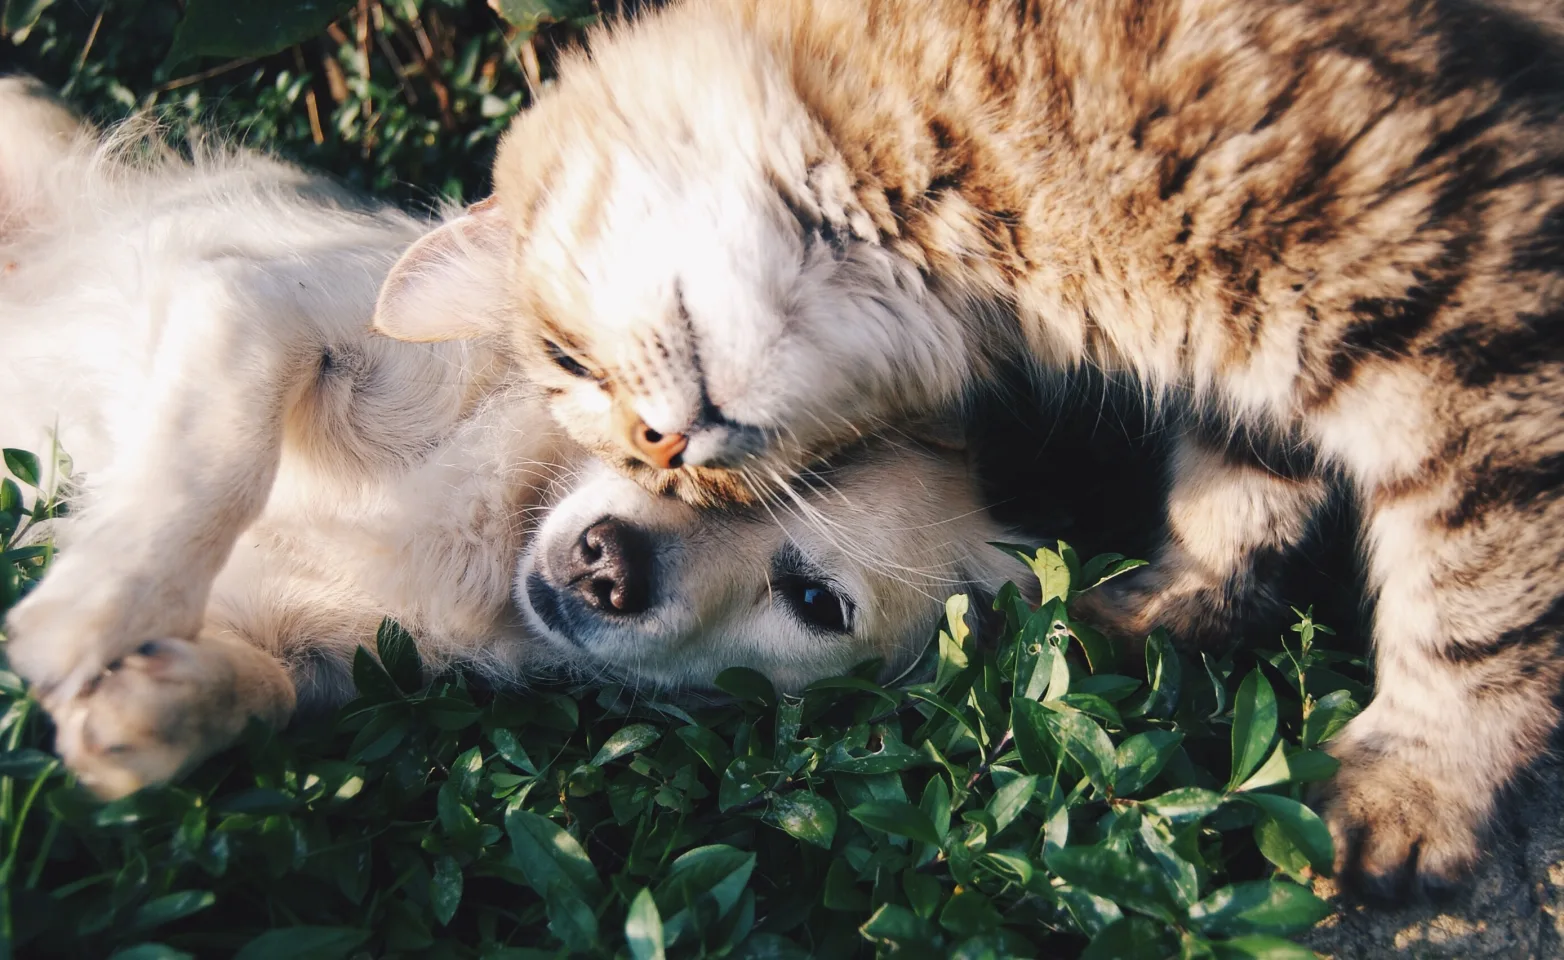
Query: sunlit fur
[
  {"x": 265, "y": 479},
  {"x": 774, "y": 224}
]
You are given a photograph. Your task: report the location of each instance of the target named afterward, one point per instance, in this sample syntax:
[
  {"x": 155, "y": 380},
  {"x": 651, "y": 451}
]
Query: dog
[{"x": 258, "y": 480}]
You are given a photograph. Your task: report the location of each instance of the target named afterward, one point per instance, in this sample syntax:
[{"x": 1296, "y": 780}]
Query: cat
[
  {"x": 264, "y": 479},
  {"x": 740, "y": 233}
]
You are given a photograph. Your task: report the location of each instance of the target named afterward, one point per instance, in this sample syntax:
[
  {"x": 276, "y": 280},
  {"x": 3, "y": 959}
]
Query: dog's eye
[
  {"x": 815, "y": 603},
  {"x": 566, "y": 362}
]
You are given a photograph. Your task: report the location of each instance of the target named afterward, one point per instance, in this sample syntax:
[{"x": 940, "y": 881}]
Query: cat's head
[
  {"x": 681, "y": 260},
  {"x": 654, "y": 592}
]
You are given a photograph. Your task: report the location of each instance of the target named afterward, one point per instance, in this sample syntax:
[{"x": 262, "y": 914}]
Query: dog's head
[{"x": 854, "y": 564}]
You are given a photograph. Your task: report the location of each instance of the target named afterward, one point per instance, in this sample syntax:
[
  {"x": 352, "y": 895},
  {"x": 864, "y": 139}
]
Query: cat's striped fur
[{"x": 770, "y": 224}]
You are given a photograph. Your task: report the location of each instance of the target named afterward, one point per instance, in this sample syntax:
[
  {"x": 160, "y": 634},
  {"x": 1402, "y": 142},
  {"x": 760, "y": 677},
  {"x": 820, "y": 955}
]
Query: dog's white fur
[{"x": 265, "y": 479}]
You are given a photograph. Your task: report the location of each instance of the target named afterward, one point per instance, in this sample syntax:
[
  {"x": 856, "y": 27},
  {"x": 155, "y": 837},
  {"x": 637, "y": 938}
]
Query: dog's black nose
[{"x": 611, "y": 568}]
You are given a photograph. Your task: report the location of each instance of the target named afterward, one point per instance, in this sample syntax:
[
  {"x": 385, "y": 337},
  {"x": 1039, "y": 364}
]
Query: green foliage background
[{"x": 1039, "y": 793}]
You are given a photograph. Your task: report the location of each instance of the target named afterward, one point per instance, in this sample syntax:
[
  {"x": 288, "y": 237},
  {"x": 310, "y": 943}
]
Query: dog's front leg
[{"x": 194, "y": 464}]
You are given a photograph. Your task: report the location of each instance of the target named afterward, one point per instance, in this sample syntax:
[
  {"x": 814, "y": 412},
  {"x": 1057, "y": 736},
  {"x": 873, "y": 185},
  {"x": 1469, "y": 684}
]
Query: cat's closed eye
[{"x": 568, "y": 363}]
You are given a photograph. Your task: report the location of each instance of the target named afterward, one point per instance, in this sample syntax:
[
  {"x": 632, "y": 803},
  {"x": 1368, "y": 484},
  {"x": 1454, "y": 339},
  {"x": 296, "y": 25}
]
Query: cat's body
[
  {"x": 1337, "y": 224},
  {"x": 265, "y": 479}
]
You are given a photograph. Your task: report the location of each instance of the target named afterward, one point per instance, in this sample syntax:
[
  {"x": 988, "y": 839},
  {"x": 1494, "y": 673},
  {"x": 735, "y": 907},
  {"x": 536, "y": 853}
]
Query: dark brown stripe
[
  {"x": 1480, "y": 353},
  {"x": 1518, "y": 485},
  {"x": 1546, "y": 629}
]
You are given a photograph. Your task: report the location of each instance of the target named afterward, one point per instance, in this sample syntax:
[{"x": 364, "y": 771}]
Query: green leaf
[
  {"x": 706, "y": 745},
  {"x": 923, "y": 892},
  {"x": 644, "y": 928},
  {"x": 1261, "y": 906},
  {"x": 1132, "y": 938},
  {"x": 1117, "y": 876},
  {"x": 445, "y": 889},
  {"x": 1104, "y": 567},
  {"x": 1301, "y": 826},
  {"x": 1304, "y": 766},
  {"x": 719, "y": 871},
  {"x": 456, "y": 817},
  {"x": 1254, "y": 725},
  {"x": 545, "y": 853},
  {"x": 1275, "y": 845},
  {"x": 1156, "y": 834},
  {"x": 570, "y": 919},
  {"x": 741, "y": 781},
  {"x": 807, "y": 816},
  {"x": 249, "y": 28},
  {"x": 839, "y": 891},
  {"x": 901, "y": 819},
  {"x": 20, "y": 15},
  {"x": 21, "y": 463},
  {"x": 511, "y": 751},
  {"x": 303, "y": 943},
  {"x": 952, "y": 642},
  {"x": 1009, "y": 800},
  {"x": 1260, "y": 948},
  {"x": 895, "y": 925},
  {"x": 1164, "y": 678},
  {"x": 1034, "y": 654},
  {"x": 1185, "y": 804},
  {"x": 1085, "y": 743},
  {"x": 1053, "y": 574},
  {"x": 968, "y": 914},
  {"x": 1329, "y": 714},
  {"x": 1139, "y": 759},
  {"x": 1090, "y": 912},
  {"x": 399, "y": 655},
  {"x": 171, "y": 907},
  {"x": 854, "y": 683},
  {"x": 1039, "y": 750},
  {"x": 1111, "y": 687},
  {"x": 531, "y": 15},
  {"x": 374, "y": 684},
  {"x": 1100, "y": 657},
  {"x": 637, "y": 736},
  {"x": 745, "y": 684}
]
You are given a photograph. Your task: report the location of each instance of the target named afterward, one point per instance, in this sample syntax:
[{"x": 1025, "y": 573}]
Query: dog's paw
[
  {"x": 150, "y": 715},
  {"x": 1400, "y": 829}
]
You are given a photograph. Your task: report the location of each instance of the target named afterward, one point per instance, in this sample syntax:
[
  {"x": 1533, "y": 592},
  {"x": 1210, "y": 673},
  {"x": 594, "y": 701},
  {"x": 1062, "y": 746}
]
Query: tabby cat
[{"x": 740, "y": 234}]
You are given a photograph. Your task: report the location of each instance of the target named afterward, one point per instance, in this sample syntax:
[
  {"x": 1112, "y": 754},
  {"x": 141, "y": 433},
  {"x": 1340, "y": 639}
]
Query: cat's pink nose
[{"x": 662, "y": 450}]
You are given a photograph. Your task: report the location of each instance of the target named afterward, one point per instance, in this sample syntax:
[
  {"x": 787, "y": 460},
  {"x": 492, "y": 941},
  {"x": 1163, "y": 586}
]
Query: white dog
[{"x": 265, "y": 479}]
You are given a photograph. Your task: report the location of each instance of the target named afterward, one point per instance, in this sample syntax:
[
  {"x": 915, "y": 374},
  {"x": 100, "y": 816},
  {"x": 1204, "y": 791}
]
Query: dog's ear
[{"x": 450, "y": 285}]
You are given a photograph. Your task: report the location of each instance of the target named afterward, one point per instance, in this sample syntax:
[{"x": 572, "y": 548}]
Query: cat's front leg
[
  {"x": 194, "y": 463},
  {"x": 156, "y": 712},
  {"x": 1468, "y": 621},
  {"x": 1230, "y": 519}
]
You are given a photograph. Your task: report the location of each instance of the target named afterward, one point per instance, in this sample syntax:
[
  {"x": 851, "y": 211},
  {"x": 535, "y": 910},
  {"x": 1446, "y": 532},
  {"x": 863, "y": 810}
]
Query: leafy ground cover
[
  {"x": 1036, "y": 794},
  {"x": 1046, "y": 795}
]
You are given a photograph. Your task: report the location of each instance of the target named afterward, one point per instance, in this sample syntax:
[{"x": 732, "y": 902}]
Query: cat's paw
[
  {"x": 1197, "y": 613},
  {"x": 1400, "y": 829},
  {"x": 150, "y": 715}
]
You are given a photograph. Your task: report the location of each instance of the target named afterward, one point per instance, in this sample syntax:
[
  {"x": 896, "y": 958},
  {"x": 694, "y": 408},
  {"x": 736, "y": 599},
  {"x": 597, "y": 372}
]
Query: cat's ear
[{"x": 450, "y": 285}]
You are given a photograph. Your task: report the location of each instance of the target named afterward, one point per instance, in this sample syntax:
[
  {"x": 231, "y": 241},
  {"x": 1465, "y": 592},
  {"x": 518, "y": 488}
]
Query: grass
[
  {"x": 1041, "y": 796},
  {"x": 1035, "y": 794}
]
